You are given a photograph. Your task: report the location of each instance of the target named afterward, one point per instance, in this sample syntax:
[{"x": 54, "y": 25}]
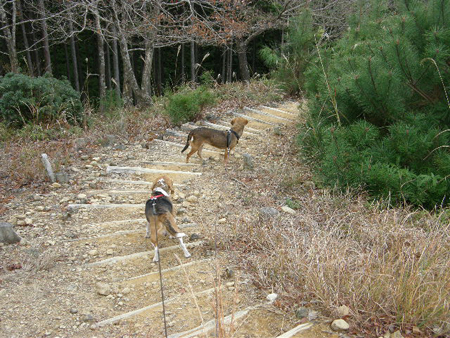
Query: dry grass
[{"x": 388, "y": 266}]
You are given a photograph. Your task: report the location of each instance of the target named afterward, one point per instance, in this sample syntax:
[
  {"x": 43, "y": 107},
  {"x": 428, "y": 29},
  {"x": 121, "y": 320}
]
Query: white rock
[
  {"x": 192, "y": 199},
  {"x": 339, "y": 325},
  {"x": 288, "y": 210},
  {"x": 93, "y": 252},
  {"x": 271, "y": 297},
  {"x": 103, "y": 289},
  {"x": 222, "y": 221},
  {"x": 81, "y": 196},
  {"x": 342, "y": 311}
]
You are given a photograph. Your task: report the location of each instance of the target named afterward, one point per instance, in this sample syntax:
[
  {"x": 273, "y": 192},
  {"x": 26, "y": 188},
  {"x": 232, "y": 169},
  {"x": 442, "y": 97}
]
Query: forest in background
[{"x": 141, "y": 48}]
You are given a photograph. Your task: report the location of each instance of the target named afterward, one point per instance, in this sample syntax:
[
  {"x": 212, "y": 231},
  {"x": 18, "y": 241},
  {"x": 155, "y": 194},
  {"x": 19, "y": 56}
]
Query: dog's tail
[
  {"x": 170, "y": 229},
  {"x": 187, "y": 142}
]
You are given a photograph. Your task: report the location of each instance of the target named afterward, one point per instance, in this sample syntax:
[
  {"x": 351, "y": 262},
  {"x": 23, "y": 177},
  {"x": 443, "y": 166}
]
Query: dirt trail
[{"x": 89, "y": 271}]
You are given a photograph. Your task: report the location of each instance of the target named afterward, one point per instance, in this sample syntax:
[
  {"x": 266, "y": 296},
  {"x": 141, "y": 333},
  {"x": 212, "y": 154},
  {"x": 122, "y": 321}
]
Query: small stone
[
  {"x": 126, "y": 291},
  {"x": 81, "y": 196},
  {"x": 88, "y": 318},
  {"x": 55, "y": 185},
  {"x": 93, "y": 252},
  {"x": 268, "y": 212},
  {"x": 271, "y": 297},
  {"x": 194, "y": 237},
  {"x": 248, "y": 161},
  {"x": 103, "y": 289},
  {"x": 397, "y": 334},
  {"x": 7, "y": 234},
  {"x": 342, "y": 311},
  {"x": 339, "y": 325},
  {"x": 73, "y": 311},
  {"x": 28, "y": 221},
  {"x": 222, "y": 221},
  {"x": 288, "y": 210},
  {"x": 301, "y": 312},
  {"x": 110, "y": 252},
  {"x": 192, "y": 199},
  {"x": 416, "y": 330}
]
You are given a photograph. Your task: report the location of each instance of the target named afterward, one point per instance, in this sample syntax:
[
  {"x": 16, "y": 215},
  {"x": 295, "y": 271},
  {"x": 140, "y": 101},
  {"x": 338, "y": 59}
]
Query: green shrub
[
  {"x": 187, "y": 104},
  {"x": 379, "y": 118},
  {"x": 289, "y": 63},
  {"x": 25, "y": 99}
]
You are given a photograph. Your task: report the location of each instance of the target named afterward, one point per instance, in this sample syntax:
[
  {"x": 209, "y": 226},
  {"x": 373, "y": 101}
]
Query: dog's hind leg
[
  {"x": 199, "y": 151},
  {"x": 153, "y": 238},
  {"x": 173, "y": 229},
  {"x": 183, "y": 247}
]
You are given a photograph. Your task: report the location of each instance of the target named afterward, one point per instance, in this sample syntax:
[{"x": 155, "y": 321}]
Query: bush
[
  {"x": 25, "y": 99},
  {"x": 289, "y": 63},
  {"x": 187, "y": 104},
  {"x": 379, "y": 118}
]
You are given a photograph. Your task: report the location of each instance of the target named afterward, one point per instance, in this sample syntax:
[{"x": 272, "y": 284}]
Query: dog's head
[
  {"x": 239, "y": 121},
  {"x": 165, "y": 183}
]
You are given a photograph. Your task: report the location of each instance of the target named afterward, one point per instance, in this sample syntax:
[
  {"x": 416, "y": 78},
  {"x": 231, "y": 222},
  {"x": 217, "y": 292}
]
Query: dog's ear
[
  {"x": 245, "y": 121},
  {"x": 170, "y": 185},
  {"x": 233, "y": 121}
]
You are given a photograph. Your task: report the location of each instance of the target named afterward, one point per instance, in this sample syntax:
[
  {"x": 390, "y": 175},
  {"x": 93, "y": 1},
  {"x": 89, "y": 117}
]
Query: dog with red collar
[{"x": 160, "y": 215}]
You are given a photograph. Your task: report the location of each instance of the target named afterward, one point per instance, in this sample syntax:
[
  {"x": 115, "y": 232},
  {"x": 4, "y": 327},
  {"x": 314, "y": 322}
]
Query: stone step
[
  {"x": 280, "y": 111},
  {"x": 130, "y": 170},
  {"x": 155, "y": 306},
  {"x": 250, "y": 118},
  {"x": 211, "y": 325},
  {"x": 146, "y": 254},
  {"x": 271, "y": 116}
]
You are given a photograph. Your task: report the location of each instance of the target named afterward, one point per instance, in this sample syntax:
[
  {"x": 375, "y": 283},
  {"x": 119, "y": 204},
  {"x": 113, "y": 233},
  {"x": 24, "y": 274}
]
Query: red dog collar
[{"x": 156, "y": 197}]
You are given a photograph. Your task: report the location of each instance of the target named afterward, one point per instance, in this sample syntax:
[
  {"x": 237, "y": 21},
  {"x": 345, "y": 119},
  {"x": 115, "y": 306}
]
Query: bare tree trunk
[
  {"x": 108, "y": 67},
  {"x": 116, "y": 63},
  {"x": 241, "y": 47},
  {"x": 73, "y": 51},
  {"x": 48, "y": 61},
  {"x": 25, "y": 40},
  {"x": 129, "y": 78},
  {"x": 101, "y": 59},
  {"x": 230, "y": 63},
  {"x": 193, "y": 77},
  {"x": 10, "y": 31},
  {"x": 224, "y": 65},
  {"x": 183, "y": 67},
  {"x": 146, "y": 83}
]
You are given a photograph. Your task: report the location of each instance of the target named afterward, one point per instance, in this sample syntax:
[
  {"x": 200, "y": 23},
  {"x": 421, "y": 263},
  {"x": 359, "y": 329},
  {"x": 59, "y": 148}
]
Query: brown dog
[
  {"x": 160, "y": 214},
  {"x": 220, "y": 139}
]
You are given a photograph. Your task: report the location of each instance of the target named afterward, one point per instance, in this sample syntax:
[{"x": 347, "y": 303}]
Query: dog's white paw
[
  {"x": 155, "y": 259},
  {"x": 180, "y": 234},
  {"x": 147, "y": 236},
  {"x": 187, "y": 255}
]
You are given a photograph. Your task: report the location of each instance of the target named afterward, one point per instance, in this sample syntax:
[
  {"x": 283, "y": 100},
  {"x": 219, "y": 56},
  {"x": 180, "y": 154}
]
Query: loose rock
[{"x": 339, "y": 325}]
